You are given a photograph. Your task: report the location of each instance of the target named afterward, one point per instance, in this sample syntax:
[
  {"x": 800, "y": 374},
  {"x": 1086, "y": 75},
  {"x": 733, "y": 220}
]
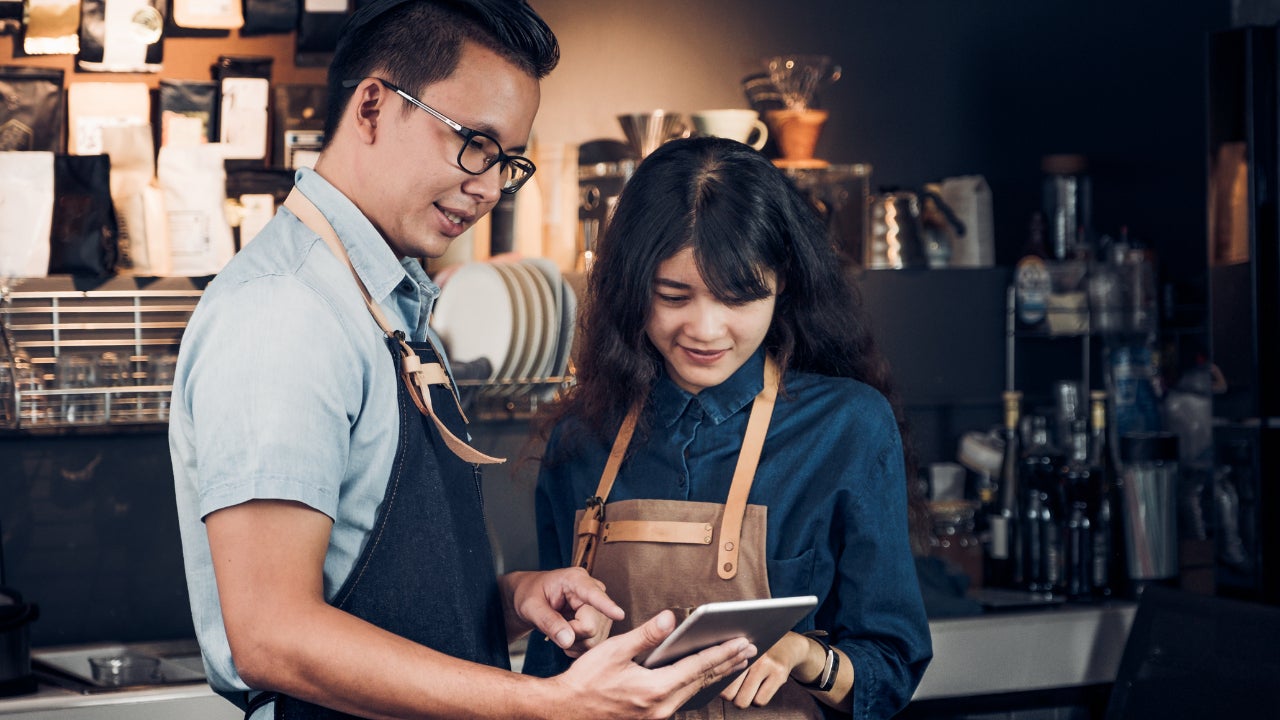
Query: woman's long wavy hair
[{"x": 743, "y": 218}]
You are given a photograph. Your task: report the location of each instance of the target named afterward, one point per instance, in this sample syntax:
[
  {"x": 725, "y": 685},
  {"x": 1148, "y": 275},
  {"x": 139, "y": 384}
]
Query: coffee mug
[{"x": 744, "y": 126}]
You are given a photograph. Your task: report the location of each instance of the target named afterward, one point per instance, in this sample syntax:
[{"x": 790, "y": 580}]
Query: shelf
[
  {"x": 128, "y": 330},
  {"x": 119, "y": 339}
]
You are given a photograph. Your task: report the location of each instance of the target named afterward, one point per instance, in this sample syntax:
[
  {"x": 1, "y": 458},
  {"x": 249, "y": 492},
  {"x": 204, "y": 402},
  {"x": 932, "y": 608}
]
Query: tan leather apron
[{"x": 658, "y": 554}]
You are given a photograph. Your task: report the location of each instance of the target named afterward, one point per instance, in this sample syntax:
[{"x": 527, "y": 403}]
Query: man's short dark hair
[{"x": 413, "y": 43}]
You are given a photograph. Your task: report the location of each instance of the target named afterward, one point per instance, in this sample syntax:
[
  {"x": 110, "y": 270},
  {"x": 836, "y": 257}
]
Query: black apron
[{"x": 426, "y": 572}]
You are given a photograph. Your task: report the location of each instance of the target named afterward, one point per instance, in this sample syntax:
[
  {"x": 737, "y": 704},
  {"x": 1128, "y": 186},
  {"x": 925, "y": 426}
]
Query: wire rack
[{"x": 75, "y": 358}]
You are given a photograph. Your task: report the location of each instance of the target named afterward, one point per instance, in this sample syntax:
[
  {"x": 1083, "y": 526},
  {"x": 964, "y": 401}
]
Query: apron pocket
[{"x": 792, "y": 576}]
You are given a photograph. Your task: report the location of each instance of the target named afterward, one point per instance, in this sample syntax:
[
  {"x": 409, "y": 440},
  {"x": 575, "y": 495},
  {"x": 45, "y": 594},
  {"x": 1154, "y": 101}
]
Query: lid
[
  {"x": 13, "y": 609},
  {"x": 1148, "y": 447},
  {"x": 1063, "y": 164}
]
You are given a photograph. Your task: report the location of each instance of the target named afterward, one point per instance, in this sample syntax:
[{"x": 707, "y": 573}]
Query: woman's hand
[{"x": 761, "y": 681}]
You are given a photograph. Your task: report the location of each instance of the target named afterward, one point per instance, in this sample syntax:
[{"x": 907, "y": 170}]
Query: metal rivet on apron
[
  {"x": 728, "y": 546},
  {"x": 728, "y": 567}
]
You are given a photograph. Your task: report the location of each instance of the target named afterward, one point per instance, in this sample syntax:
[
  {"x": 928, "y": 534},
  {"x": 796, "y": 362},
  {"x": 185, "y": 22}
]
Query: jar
[
  {"x": 1149, "y": 478},
  {"x": 953, "y": 539}
]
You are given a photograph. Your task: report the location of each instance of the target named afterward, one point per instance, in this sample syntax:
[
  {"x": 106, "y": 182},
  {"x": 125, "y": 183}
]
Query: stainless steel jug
[{"x": 898, "y": 231}]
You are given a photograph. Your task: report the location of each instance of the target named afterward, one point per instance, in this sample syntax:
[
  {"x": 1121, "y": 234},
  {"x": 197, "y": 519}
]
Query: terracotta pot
[{"x": 796, "y": 132}]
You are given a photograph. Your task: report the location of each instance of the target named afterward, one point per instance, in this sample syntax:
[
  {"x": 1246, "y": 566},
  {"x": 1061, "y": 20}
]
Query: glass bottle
[
  {"x": 953, "y": 538},
  {"x": 1002, "y": 561},
  {"x": 1109, "y": 570},
  {"x": 1038, "y": 528},
  {"x": 1032, "y": 281},
  {"x": 1077, "y": 576}
]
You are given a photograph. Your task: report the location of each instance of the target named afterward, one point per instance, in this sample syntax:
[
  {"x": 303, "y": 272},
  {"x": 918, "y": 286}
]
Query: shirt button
[{"x": 680, "y": 480}]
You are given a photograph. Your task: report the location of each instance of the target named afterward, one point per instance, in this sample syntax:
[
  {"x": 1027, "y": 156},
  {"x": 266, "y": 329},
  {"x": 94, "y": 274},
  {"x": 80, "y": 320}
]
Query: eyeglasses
[{"x": 479, "y": 152}]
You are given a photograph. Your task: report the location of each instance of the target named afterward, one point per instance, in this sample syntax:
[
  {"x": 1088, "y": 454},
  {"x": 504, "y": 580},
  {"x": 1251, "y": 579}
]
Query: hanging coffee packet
[
  {"x": 318, "y": 28},
  {"x": 244, "y": 86},
  {"x": 299, "y": 113},
  {"x": 187, "y": 109},
  {"x": 132, "y": 152},
  {"x": 26, "y": 213},
  {"x": 92, "y": 106},
  {"x": 32, "y": 111},
  {"x": 10, "y": 17},
  {"x": 83, "y": 240},
  {"x": 194, "y": 182},
  {"x": 207, "y": 14},
  {"x": 256, "y": 194},
  {"x": 121, "y": 36},
  {"x": 52, "y": 27},
  {"x": 262, "y": 17}
]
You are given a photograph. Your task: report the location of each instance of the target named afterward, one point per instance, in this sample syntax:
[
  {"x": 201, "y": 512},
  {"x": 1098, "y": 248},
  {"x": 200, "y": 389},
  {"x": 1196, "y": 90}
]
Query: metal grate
[{"x": 77, "y": 358}]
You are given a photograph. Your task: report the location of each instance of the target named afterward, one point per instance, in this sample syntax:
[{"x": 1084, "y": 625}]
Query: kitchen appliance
[
  {"x": 646, "y": 131},
  {"x": 840, "y": 194},
  {"x": 1243, "y": 130},
  {"x": 904, "y": 231},
  {"x": 16, "y": 617},
  {"x": 604, "y": 166}
]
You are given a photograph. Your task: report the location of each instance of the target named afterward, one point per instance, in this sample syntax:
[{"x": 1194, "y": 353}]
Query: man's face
[{"x": 416, "y": 194}]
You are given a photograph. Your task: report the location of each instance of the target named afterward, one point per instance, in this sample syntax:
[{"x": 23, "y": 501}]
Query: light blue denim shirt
[{"x": 285, "y": 389}]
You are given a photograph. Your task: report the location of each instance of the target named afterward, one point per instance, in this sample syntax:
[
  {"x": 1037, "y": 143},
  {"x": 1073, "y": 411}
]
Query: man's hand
[
  {"x": 569, "y": 606},
  {"x": 607, "y": 682}
]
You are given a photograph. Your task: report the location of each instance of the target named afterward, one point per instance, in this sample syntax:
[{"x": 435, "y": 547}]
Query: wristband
[{"x": 830, "y": 666}]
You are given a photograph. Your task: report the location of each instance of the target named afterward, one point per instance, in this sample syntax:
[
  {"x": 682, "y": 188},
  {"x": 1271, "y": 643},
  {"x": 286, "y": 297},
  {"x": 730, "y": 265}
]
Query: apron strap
[
  {"x": 417, "y": 376},
  {"x": 653, "y": 531},
  {"x": 589, "y": 525},
  {"x": 663, "y": 531},
  {"x": 745, "y": 473}
]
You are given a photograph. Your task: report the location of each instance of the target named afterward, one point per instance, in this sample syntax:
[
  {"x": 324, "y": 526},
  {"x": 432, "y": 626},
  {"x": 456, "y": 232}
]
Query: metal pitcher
[{"x": 898, "y": 232}]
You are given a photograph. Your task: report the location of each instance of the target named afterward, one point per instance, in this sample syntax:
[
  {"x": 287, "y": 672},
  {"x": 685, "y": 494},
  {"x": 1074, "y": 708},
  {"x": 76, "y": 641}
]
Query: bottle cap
[{"x": 1067, "y": 164}]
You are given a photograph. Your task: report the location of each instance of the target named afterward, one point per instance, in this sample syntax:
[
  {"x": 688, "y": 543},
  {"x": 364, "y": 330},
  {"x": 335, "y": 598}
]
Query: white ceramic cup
[{"x": 745, "y": 126}]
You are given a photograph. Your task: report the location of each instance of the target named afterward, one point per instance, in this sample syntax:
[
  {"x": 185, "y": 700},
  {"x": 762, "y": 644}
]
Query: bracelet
[{"x": 830, "y": 666}]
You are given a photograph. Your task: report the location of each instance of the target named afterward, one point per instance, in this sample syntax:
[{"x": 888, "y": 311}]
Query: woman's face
[{"x": 702, "y": 340}]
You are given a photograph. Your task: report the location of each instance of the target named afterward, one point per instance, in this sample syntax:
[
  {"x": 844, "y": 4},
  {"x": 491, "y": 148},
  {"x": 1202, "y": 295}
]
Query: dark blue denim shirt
[{"x": 831, "y": 475}]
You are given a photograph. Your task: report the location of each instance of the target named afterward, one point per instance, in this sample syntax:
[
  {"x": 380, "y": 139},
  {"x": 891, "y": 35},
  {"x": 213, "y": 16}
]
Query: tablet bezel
[{"x": 763, "y": 622}]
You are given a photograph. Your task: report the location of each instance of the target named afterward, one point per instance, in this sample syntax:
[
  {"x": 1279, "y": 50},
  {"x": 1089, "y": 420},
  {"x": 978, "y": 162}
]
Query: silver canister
[
  {"x": 1067, "y": 202},
  {"x": 1149, "y": 472}
]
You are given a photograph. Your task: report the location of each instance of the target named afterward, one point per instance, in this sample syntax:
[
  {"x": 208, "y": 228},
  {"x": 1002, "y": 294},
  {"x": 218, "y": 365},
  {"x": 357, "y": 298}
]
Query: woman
[{"x": 728, "y": 370}]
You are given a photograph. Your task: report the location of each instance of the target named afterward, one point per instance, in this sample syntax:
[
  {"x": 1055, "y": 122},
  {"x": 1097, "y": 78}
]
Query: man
[{"x": 332, "y": 525}]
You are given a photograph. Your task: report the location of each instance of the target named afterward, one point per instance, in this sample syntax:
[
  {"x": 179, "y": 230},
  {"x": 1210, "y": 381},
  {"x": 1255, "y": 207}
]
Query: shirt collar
[
  {"x": 374, "y": 262},
  {"x": 370, "y": 255},
  {"x": 670, "y": 401}
]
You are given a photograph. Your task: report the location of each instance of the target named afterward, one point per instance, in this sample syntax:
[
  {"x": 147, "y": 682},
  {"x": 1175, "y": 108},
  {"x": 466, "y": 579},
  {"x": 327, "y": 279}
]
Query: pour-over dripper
[
  {"x": 646, "y": 131},
  {"x": 799, "y": 77}
]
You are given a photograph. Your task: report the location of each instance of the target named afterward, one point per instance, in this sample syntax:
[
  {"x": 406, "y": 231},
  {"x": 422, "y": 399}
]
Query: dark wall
[
  {"x": 937, "y": 88},
  {"x": 91, "y": 536}
]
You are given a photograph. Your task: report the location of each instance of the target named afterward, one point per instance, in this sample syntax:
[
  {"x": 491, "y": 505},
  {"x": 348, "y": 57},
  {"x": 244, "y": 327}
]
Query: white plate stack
[{"x": 518, "y": 315}]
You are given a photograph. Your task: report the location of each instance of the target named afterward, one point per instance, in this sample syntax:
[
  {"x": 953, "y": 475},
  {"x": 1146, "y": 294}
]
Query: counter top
[
  {"x": 1006, "y": 652},
  {"x": 189, "y": 701}
]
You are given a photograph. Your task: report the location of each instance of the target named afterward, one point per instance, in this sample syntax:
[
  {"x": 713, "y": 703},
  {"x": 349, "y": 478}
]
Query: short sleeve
[{"x": 272, "y": 396}]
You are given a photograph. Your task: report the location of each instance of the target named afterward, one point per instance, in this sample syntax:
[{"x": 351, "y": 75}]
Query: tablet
[{"x": 763, "y": 622}]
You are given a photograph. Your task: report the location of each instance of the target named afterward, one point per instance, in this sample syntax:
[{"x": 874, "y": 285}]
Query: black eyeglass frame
[{"x": 520, "y": 162}]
